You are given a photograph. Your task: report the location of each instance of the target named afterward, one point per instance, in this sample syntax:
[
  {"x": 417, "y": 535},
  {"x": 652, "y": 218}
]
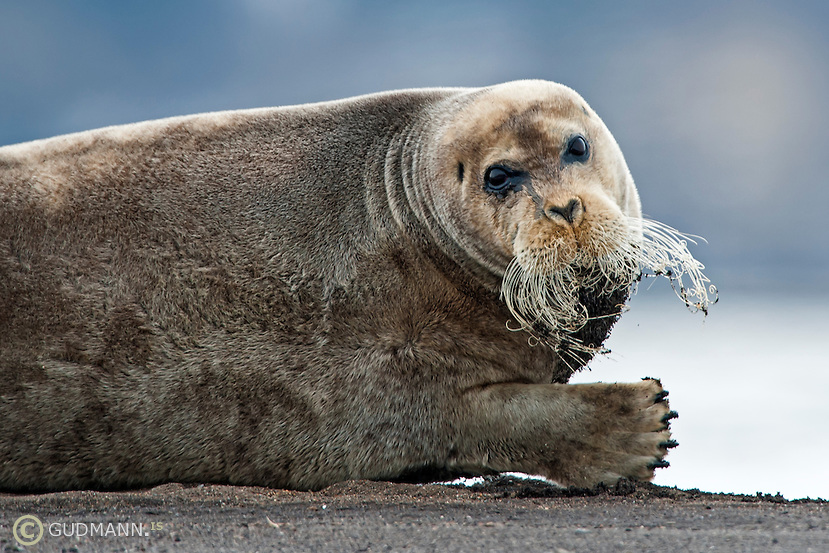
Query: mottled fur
[{"x": 295, "y": 296}]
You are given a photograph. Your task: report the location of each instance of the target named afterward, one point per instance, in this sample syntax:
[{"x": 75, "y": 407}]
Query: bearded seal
[{"x": 290, "y": 297}]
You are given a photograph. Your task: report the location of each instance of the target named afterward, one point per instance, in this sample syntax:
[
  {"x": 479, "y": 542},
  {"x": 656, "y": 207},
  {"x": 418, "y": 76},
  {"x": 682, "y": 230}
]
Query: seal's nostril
[{"x": 569, "y": 212}]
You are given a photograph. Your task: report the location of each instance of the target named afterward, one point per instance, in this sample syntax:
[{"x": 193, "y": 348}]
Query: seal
[{"x": 382, "y": 287}]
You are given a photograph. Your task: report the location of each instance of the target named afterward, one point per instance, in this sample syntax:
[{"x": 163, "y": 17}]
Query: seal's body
[{"x": 295, "y": 296}]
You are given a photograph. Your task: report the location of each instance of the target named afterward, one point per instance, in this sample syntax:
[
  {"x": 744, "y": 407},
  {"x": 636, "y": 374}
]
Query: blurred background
[{"x": 721, "y": 109}]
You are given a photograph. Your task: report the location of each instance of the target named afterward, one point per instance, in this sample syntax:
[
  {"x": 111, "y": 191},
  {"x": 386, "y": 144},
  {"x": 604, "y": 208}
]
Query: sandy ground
[{"x": 503, "y": 514}]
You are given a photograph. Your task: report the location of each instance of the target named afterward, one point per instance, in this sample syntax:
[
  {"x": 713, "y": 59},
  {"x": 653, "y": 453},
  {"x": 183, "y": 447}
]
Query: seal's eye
[
  {"x": 497, "y": 178},
  {"x": 577, "y": 148},
  {"x": 500, "y": 180}
]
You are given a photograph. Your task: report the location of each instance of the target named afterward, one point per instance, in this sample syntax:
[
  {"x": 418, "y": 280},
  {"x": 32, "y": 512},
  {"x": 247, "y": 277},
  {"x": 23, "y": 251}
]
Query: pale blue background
[{"x": 720, "y": 107}]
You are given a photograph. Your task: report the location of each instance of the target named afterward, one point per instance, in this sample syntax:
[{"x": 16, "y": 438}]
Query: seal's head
[{"x": 533, "y": 187}]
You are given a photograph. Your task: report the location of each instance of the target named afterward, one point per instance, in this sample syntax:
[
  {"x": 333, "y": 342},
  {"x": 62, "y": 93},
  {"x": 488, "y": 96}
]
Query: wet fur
[{"x": 271, "y": 297}]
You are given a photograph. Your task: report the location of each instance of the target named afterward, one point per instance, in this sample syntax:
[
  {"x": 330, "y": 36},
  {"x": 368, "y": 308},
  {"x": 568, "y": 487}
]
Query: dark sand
[{"x": 503, "y": 514}]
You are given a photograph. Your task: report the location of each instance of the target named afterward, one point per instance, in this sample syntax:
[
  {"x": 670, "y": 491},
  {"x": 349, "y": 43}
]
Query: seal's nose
[{"x": 571, "y": 212}]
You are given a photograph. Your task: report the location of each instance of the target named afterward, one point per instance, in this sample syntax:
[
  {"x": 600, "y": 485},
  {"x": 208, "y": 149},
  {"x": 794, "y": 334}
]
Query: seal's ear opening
[{"x": 460, "y": 172}]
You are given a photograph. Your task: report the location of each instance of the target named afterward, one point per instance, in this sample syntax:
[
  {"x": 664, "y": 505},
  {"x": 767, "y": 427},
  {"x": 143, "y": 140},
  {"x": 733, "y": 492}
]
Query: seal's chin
[
  {"x": 570, "y": 300},
  {"x": 571, "y": 307}
]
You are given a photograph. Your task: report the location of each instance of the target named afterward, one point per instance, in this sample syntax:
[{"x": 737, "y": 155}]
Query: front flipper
[{"x": 574, "y": 434}]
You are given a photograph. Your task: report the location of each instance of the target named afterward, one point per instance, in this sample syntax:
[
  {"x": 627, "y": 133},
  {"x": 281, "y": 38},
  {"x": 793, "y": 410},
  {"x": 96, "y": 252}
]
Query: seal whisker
[
  {"x": 665, "y": 253},
  {"x": 546, "y": 295}
]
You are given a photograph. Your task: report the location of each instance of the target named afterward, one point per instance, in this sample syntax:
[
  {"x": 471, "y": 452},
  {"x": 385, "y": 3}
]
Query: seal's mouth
[{"x": 572, "y": 306}]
